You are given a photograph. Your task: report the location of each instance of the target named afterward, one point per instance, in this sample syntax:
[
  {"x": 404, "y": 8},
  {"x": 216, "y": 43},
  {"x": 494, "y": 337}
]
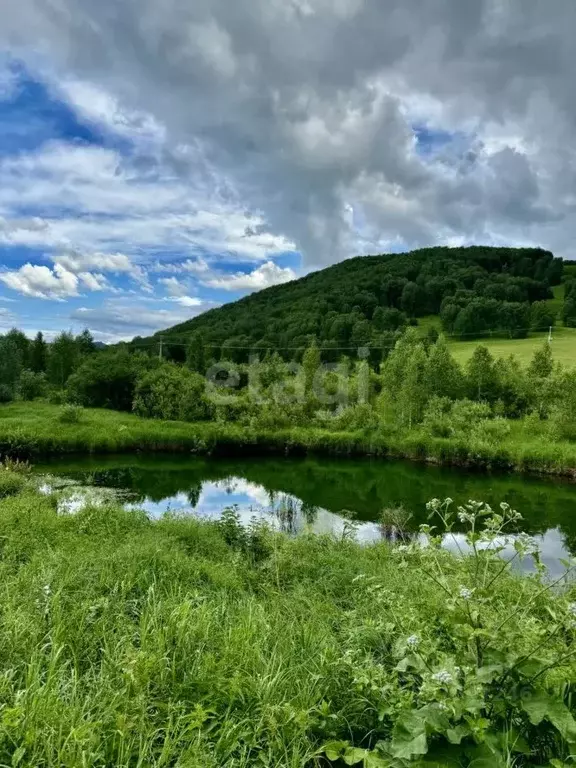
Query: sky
[{"x": 161, "y": 158}]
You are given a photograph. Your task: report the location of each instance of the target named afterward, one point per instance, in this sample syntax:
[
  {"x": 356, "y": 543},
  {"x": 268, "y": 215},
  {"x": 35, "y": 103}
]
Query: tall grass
[
  {"x": 30, "y": 430},
  {"x": 126, "y": 642}
]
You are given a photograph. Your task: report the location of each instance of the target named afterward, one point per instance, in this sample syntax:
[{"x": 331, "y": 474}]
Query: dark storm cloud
[{"x": 309, "y": 106}]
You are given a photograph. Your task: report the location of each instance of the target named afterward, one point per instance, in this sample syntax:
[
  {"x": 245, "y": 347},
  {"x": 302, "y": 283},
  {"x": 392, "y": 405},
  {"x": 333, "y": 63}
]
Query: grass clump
[
  {"x": 11, "y": 482},
  {"x": 179, "y": 642},
  {"x": 70, "y": 414}
]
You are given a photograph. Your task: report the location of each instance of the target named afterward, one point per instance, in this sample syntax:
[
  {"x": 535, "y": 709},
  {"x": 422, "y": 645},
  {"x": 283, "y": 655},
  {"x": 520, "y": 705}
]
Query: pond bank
[
  {"x": 384, "y": 499},
  {"x": 34, "y": 430}
]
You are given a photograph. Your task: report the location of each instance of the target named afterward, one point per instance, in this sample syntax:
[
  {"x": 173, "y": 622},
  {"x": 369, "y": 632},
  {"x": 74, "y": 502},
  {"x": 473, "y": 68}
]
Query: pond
[{"x": 320, "y": 494}]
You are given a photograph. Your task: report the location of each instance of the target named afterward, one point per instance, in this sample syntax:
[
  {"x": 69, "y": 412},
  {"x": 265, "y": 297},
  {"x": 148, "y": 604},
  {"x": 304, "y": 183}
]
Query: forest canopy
[{"x": 364, "y": 301}]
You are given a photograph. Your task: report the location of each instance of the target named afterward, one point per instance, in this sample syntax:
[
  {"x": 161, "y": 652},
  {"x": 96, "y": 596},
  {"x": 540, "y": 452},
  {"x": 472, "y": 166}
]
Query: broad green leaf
[
  {"x": 513, "y": 740},
  {"x": 561, "y": 718},
  {"x": 334, "y": 749},
  {"x": 481, "y": 756},
  {"x": 353, "y": 755},
  {"x": 488, "y": 673},
  {"x": 531, "y": 667},
  {"x": 435, "y": 718},
  {"x": 536, "y": 706},
  {"x": 455, "y": 735},
  {"x": 407, "y": 749},
  {"x": 409, "y": 736},
  {"x": 372, "y": 760},
  {"x": 541, "y": 705}
]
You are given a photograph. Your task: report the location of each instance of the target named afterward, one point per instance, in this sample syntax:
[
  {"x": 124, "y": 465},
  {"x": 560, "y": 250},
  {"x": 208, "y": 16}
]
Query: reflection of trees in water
[
  {"x": 396, "y": 525},
  {"x": 193, "y": 495},
  {"x": 363, "y": 486},
  {"x": 287, "y": 515},
  {"x": 309, "y": 512},
  {"x": 293, "y": 514},
  {"x": 396, "y": 535}
]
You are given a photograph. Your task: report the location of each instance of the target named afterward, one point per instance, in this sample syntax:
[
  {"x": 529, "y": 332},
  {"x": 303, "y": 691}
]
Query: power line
[{"x": 168, "y": 340}]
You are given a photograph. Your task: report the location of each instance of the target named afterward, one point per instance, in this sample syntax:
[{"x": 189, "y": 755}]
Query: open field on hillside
[
  {"x": 563, "y": 345},
  {"x": 564, "y": 339}
]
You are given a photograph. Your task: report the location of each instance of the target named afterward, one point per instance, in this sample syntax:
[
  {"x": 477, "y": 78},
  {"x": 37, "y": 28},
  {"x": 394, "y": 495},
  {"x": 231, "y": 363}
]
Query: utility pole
[
  {"x": 160, "y": 349},
  {"x": 550, "y": 335}
]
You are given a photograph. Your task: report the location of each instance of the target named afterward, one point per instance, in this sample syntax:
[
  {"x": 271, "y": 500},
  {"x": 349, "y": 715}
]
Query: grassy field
[
  {"x": 563, "y": 347},
  {"x": 127, "y": 642},
  {"x": 32, "y": 430},
  {"x": 563, "y": 344}
]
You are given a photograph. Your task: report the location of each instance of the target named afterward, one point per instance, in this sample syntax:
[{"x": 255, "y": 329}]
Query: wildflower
[
  {"x": 572, "y": 608},
  {"x": 465, "y": 517},
  {"x": 46, "y": 589},
  {"x": 443, "y": 677},
  {"x": 413, "y": 641},
  {"x": 465, "y": 593}
]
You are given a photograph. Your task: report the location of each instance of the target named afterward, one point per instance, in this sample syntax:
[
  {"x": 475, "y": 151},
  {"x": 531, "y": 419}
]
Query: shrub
[
  {"x": 70, "y": 414},
  {"x": 171, "y": 393},
  {"x": 32, "y": 385},
  {"x": 352, "y": 418},
  {"x": 479, "y": 678},
  {"x": 108, "y": 380},
  {"x": 18, "y": 444},
  {"x": 491, "y": 431},
  {"x": 6, "y": 394},
  {"x": 10, "y": 482},
  {"x": 437, "y": 417},
  {"x": 58, "y": 397},
  {"x": 237, "y": 409}
]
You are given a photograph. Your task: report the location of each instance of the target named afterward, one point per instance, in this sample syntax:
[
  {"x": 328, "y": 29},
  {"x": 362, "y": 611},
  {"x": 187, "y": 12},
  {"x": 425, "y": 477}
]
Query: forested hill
[{"x": 362, "y": 301}]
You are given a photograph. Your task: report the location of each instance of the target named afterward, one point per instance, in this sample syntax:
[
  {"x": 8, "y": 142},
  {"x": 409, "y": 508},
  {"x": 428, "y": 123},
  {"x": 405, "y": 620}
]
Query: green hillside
[{"x": 364, "y": 301}]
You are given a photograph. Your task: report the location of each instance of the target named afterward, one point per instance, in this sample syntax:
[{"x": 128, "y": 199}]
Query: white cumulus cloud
[
  {"x": 42, "y": 282},
  {"x": 263, "y": 277}
]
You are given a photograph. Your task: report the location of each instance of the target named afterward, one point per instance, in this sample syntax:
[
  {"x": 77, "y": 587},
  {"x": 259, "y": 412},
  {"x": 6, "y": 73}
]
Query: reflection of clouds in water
[
  {"x": 71, "y": 501},
  {"x": 288, "y": 513},
  {"x": 236, "y": 486},
  {"x": 551, "y": 545}
]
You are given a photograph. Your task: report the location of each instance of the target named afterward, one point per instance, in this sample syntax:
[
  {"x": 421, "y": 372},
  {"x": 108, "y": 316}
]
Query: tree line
[
  {"x": 419, "y": 386},
  {"x": 32, "y": 368}
]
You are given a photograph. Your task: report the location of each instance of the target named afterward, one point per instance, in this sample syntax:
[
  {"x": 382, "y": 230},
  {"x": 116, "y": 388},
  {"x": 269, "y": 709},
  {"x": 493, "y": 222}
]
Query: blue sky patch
[{"x": 94, "y": 229}]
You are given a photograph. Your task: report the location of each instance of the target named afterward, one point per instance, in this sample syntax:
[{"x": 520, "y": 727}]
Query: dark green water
[{"x": 323, "y": 493}]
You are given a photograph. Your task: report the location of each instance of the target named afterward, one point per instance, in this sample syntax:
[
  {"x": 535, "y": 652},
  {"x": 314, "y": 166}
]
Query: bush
[
  {"x": 6, "y": 394},
  {"x": 491, "y": 431},
  {"x": 58, "y": 397},
  {"x": 350, "y": 419},
  {"x": 18, "y": 444},
  {"x": 445, "y": 418},
  {"x": 10, "y": 482},
  {"x": 172, "y": 393},
  {"x": 108, "y": 380},
  {"x": 32, "y": 385},
  {"x": 238, "y": 409},
  {"x": 70, "y": 414}
]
